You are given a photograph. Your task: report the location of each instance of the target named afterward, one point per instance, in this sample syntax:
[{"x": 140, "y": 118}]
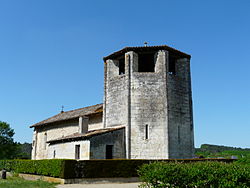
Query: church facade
[{"x": 146, "y": 112}]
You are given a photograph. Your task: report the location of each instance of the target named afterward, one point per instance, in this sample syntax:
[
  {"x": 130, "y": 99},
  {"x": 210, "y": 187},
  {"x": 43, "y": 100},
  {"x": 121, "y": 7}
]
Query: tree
[
  {"x": 8, "y": 148},
  {"x": 24, "y": 150}
]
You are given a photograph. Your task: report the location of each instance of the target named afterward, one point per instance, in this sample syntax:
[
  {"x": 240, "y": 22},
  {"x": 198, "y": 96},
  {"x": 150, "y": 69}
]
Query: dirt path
[{"x": 106, "y": 185}]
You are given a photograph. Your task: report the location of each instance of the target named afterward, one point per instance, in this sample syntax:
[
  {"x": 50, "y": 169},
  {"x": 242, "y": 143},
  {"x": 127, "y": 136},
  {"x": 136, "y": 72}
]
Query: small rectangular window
[
  {"x": 146, "y": 131},
  {"x": 77, "y": 151},
  {"x": 54, "y": 154},
  {"x": 109, "y": 151}
]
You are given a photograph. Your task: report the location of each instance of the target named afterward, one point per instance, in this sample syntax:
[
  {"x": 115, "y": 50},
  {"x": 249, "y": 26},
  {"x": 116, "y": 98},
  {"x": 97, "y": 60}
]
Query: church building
[{"x": 146, "y": 112}]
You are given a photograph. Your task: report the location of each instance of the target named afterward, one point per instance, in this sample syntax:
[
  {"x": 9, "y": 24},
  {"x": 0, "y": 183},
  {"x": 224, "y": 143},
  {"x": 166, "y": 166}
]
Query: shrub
[
  {"x": 65, "y": 168},
  {"x": 200, "y": 174},
  {"x": 54, "y": 167}
]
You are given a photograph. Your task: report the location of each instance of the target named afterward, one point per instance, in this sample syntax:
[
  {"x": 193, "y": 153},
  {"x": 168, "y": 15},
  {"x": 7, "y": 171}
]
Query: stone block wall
[
  {"x": 115, "y": 96},
  {"x": 51, "y": 132},
  {"x": 67, "y": 150},
  {"x": 41, "y": 135},
  {"x": 157, "y": 102},
  {"x": 149, "y": 111},
  {"x": 95, "y": 122},
  {"x": 115, "y": 138},
  {"x": 180, "y": 116}
]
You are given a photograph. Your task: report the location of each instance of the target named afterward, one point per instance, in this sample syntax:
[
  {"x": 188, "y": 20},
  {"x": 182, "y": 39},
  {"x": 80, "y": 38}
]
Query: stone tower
[{"x": 148, "y": 90}]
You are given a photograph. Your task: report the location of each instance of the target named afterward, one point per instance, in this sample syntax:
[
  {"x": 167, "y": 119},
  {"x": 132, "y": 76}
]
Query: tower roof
[{"x": 147, "y": 49}]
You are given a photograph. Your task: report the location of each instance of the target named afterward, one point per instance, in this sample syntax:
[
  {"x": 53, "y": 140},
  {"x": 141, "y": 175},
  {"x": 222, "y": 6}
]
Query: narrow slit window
[
  {"x": 54, "y": 154},
  {"x": 45, "y": 140},
  {"x": 77, "y": 151},
  {"x": 146, "y": 62},
  {"x": 146, "y": 131},
  {"x": 122, "y": 66},
  {"x": 179, "y": 136}
]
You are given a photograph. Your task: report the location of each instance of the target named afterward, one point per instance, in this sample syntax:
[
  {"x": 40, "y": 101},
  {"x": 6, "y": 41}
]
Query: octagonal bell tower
[{"x": 148, "y": 90}]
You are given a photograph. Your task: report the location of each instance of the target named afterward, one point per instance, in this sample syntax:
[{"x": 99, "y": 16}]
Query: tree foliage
[
  {"x": 8, "y": 148},
  {"x": 215, "y": 151}
]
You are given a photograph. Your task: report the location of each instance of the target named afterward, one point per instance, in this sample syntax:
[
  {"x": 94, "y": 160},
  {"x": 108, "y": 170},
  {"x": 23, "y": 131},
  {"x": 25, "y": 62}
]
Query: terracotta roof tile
[
  {"x": 71, "y": 114},
  {"x": 78, "y": 136},
  {"x": 145, "y": 49}
]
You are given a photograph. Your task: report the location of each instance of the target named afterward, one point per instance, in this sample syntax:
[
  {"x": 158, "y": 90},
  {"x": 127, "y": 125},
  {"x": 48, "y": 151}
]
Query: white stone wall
[
  {"x": 58, "y": 130},
  {"x": 159, "y": 99},
  {"x": 67, "y": 150},
  {"x": 180, "y": 111},
  {"x": 95, "y": 122},
  {"x": 115, "y": 138},
  {"x": 51, "y": 132},
  {"x": 149, "y": 107},
  {"x": 115, "y": 96},
  {"x": 34, "y": 141}
]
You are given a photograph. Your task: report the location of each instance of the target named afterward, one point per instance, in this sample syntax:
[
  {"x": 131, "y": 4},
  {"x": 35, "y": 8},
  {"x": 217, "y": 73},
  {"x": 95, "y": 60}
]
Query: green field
[{"x": 15, "y": 182}]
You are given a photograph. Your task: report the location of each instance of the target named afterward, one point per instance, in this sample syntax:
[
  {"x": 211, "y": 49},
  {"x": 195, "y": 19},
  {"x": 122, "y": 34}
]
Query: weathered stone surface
[
  {"x": 42, "y": 150},
  {"x": 158, "y": 101},
  {"x": 98, "y": 145},
  {"x": 67, "y": 150}
]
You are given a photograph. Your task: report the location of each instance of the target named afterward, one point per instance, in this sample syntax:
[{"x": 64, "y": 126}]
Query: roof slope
[
  {"x": 146, "y": 49},
  {"x": 71, "y": 114},
  {"x": 78, "y": 136}
]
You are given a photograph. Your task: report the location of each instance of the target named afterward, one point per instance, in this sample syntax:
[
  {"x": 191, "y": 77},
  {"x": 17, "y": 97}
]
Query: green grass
[{"x": 16, "y": 182}]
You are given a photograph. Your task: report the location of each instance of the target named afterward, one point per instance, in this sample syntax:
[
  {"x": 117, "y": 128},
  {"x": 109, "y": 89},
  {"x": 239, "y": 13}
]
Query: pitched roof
[
  {"x": 146, "y": 49},
  {"x": 90, "y": 110},
  {"x": 79, "y": 136}
]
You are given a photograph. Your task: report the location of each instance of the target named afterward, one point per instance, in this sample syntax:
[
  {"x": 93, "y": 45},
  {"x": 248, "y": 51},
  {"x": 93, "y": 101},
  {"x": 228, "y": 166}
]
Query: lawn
[{"x": 16, "y": 182}]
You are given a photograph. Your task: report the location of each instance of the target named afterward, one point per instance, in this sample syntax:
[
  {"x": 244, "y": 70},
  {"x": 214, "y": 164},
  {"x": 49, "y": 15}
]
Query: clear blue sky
[{"x": 51, "y": 55}]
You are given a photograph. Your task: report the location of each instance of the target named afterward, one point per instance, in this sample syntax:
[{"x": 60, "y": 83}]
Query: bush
[
  {"x": 75, "y": 169},
  {"x": 108, "y": 168},
  {"x": 65, "y": 168},
  {"x": 200, "y": 174},
  {"x": 54, "y": 167}
]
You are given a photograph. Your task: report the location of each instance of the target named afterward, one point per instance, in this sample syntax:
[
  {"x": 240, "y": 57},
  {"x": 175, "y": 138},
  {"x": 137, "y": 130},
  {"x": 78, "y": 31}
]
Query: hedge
[
  {"x": 189, "y": 175},
  {"x": 54, "y": 168},
  {"x": 83, "y": 169},
  {"x": 75, "y": 169}
]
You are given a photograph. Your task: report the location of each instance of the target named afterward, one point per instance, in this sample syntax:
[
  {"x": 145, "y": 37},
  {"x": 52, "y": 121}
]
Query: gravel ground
[{"x": 106, "y": 185}]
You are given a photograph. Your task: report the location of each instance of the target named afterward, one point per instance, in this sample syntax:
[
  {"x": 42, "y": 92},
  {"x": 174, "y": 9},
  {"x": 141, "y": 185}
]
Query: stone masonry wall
[
  {"x": 115, "y": 96},
  {"x": 59, "y": 130},
  {"x": 52, "y": 132},
  {"x": 149, "y": 107},
  {"x": 98, "y": 145},
  {"x": 95, "y": 122},
  {"x": 180, "y": 112},
  {"x": 160, "y": 101},
  {"x": 67, "y": 150}
]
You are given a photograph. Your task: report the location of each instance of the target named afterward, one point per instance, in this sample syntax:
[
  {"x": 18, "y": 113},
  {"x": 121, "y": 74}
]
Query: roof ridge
[
  {"x": 80, "y": 108},
  {"x": 157, "y": 47},
  {"x": 67, "y": 115}
]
